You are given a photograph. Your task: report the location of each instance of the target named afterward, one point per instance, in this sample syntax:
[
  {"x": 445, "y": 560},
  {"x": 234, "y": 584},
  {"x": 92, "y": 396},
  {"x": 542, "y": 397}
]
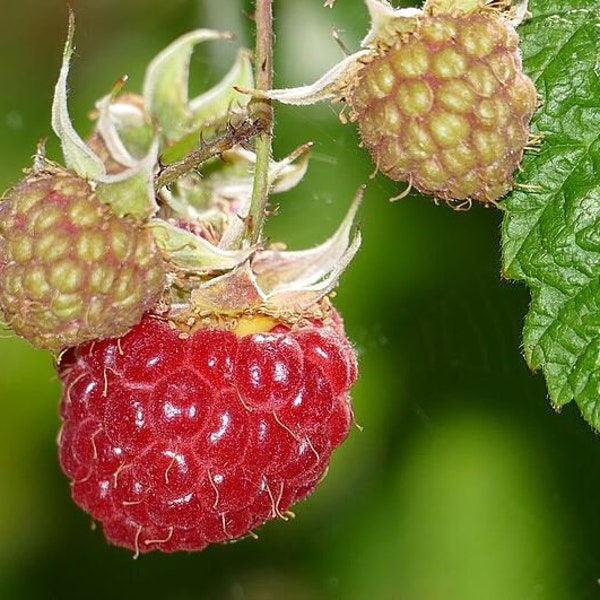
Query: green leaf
[{"x": 551, "y": 227}]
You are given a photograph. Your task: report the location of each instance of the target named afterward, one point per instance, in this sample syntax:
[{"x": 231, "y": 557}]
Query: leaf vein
[{"x": 552, "y": 196}]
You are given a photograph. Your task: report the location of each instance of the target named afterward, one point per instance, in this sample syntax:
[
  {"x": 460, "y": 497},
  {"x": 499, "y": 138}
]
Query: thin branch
[{"x": 234, "y": 136}]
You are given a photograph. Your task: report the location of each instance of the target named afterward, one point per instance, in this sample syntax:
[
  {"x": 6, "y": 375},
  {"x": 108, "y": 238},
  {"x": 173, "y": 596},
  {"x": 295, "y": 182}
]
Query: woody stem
[{"x": 262, "y": 111}]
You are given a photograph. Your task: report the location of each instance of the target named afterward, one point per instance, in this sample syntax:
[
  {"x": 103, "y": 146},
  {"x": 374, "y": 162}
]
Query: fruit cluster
[{"x": 205, "y": 373}]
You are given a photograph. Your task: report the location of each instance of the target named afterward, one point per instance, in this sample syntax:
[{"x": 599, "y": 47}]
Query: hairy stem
[
  {"x": 235, "y": 135},
  {"x": 261, "y": 111}
]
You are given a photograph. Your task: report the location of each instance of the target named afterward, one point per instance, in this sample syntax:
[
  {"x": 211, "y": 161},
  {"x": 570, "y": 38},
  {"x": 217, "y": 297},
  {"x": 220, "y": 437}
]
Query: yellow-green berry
[
  {"x": 447, "y": 106},
  {"x": 70, "y": 270}
]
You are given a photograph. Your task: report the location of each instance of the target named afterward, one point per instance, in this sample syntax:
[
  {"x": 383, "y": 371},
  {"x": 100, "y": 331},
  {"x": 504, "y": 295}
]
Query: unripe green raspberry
[
  {"x": 71, "y": 270},
  {"x": 447, "y": 106}
]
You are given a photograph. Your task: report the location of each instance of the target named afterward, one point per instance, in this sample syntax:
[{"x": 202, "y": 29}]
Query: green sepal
[
  {"x": 125, "y": 128},
  {"x": 78, "y": 156},
  {"x": 280, "y": 281},
  {"x": 219, "y": 101},
  {"x": 131, "y": 192},
  {"x": 191, "y": 253},
  {"x": 277, "y": 271},
  {"x": 166, "y": 88}
]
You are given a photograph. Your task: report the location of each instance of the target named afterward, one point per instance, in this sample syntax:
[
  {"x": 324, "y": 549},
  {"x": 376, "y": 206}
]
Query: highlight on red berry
[{"x": 174, "y": 441}]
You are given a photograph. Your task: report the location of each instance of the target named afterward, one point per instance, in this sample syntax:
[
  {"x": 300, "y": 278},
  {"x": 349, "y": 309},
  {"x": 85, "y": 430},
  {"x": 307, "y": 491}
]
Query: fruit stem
[
  {"x": 235, "y": 135},
  {"x": 261, "y": 111}
]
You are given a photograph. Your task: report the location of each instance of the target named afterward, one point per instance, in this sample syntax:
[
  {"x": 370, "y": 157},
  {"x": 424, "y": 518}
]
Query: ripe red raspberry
[
  {"x": 447, "y": 106},
  {"x": 177, "y": 441},
  {"x": 71, "y": 270}
]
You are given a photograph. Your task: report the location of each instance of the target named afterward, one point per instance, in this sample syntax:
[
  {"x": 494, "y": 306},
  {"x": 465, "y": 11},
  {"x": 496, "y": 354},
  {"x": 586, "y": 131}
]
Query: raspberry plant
[
  {"x": 215, "y": 383},
  {"x": 216, "y": 403}
]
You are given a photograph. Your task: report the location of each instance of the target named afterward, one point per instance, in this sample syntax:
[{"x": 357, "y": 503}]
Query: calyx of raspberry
[
  {"x": 134, "y": 131},
  {"x": 284, "y": 284},
  {"x": 185, "y": 167},
  {"x": 439, "y": 96}
]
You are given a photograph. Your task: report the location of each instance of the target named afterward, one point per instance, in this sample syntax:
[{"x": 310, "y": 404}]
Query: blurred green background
[{"x": 463, "y": 484}]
